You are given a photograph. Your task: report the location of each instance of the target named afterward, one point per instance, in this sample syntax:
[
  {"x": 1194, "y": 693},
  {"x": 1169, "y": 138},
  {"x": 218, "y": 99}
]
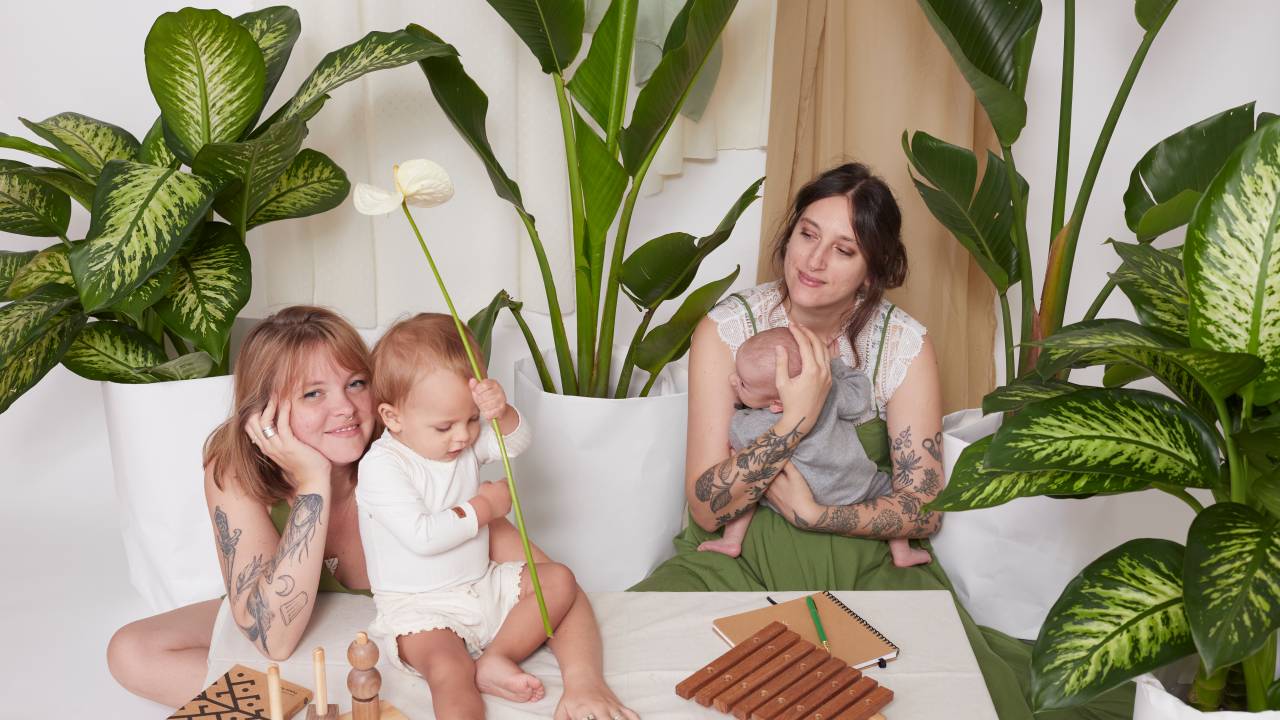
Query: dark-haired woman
[{"x": 840, "y": 249}]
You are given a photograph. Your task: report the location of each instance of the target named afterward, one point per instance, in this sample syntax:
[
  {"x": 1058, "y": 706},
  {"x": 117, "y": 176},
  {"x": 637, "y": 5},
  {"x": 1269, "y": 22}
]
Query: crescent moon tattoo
[{"x": 288, "y": 585}]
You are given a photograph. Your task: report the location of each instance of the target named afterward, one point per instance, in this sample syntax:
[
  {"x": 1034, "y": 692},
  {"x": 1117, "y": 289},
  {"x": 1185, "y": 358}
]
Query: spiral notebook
[{"x": 852, "y": 638}]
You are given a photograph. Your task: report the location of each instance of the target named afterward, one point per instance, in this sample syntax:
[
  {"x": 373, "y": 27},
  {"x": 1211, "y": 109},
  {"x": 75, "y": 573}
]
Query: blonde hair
[
  {"x": 270, "y": 363},
  {"x": 416, "y": 346}
]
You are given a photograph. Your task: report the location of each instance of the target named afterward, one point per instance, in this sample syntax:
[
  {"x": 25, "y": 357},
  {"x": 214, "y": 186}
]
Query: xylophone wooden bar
[
  {"x": 782, "y": 671},
  {"x": 690, "y": 685},
  {"x": 825, "y": 690},
  {"x": 868, "y": 706},
  {"x": 745, "y": 667},
  {"x": 843, "y": 699},
  {"x": 788, "y": 697}
]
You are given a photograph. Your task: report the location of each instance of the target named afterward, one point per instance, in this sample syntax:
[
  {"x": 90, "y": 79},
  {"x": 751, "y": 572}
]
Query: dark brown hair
[{"x": 877, "y": 227}]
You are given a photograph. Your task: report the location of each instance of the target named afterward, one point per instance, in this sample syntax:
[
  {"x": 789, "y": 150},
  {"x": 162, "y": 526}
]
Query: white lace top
[{"x": 902, "y": 342}]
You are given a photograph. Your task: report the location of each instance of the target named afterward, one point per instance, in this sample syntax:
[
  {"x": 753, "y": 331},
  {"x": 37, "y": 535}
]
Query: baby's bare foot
[
  {"x": 496, "y": 675},
  {"x": 909, "y": 556},
  {"x": 724, "y": 547}
]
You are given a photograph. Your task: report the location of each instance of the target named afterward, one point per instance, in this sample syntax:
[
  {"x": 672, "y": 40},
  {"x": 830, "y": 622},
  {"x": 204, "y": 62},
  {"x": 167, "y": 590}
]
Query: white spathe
[{"x": 420, "y": 183}]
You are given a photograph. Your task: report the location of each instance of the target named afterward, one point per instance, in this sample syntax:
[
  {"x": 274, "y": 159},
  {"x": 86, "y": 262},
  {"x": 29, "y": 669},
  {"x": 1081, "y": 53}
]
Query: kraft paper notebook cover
[
  {"x": 241, "y": 694},
  {"x": 852, "y": 638}
]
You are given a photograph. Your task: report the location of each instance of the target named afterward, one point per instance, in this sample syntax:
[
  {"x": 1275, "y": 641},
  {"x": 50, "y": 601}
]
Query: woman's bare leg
[
  {"x": 576, "y": 643},
  {"x": 164, "y": 657}
]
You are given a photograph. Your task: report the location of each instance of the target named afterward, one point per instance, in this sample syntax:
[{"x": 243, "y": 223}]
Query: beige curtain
[{"x": 848, "y": 77}]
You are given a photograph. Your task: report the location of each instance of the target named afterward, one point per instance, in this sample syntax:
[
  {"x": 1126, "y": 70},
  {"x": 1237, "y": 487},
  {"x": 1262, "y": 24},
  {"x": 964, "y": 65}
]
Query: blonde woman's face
[
  {"x": 824, "y": 266},
  {"x": 332, "y": 411}
]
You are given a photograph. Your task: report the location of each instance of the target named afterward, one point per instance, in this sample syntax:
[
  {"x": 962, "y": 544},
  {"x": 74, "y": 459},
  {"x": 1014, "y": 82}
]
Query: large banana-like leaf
[
  {"x": 552, "y": 29},
  {"x": 22, "y": 369},
  {"x": 275, "y": 29},
  {"x": 11, "y": 261},
  {"x": 30, "y": 207},
  {"x": 88, "y": 143},
  {"x": 1132, "y": 433},
  {"x": 466, "y": 105},
  {"x": 671, "y": 339},
  {"x": 154, "y": 150},
  {"x": 1167, "y": 182},
  {"x": 1155, "y": 283},
  {"x": 983, "y": 37},
  {"x": 1120, "y": 617},
  {"x": 188, "y": 367},
  {"x": 23, "y": 320},
  {"x": 1232, "y": 581},
  {"x": 211, "y": 284},
  {"x": 310, "y": 185},
  {"x": 248, "y": 170},
  {"x": 1017, "y": 394},
  {"x": 66, "y": 181},
  {"x": 1232, "y": 259},
  {"x": 141, "y": 216},
  {"x": 114, "y": 352},
  {"x": 481, "y": 324},
  {"x": 375, "y": 51},
  {"x": 207, "y": 75},
  {"x": 664, "y": 267},
  {"x": 1197, "y": 376},
  {"x": 982, "y": 222},
  {"x": 601, "y": 196},
  {"x": 693, "y": 33},
  {"x": 13, "y": 142},
  {"x": 600, "y": 83},
  {"x": 972, "y": 485},
  {"x": 50, "y": 265}
]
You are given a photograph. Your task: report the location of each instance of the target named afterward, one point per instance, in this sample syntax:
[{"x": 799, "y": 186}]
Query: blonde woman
[{"x": 280, "y": 478}]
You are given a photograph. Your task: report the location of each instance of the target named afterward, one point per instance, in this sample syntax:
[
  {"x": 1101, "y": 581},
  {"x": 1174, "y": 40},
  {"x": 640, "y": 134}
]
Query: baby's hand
[
  {"x": 497, "y": 495},
  {"x": 489, "y": 398}
]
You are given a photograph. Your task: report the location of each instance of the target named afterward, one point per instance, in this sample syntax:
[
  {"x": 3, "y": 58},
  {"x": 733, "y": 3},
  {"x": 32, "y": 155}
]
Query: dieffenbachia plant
[
  {"x": 606, "y": 162},
  {"x": 150, "y": 293}
]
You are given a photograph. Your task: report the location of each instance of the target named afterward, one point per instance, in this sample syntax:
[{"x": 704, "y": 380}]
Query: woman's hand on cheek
[
  {"x": 299, "y": 461},
  {"x": 790, "y": 495}
]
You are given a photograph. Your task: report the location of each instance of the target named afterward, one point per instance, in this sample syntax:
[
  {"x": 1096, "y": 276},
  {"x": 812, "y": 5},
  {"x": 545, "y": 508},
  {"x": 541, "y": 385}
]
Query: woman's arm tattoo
[{"x": 752, "y": 466}]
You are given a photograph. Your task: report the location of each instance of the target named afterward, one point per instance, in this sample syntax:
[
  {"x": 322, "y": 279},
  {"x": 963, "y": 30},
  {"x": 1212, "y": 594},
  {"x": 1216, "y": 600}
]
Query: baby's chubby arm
[{"x": 386, "y": 492}]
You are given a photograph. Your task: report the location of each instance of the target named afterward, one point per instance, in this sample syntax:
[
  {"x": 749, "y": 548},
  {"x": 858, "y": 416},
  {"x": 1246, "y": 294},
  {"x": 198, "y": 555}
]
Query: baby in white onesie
[{"x": 423, "y": 514}]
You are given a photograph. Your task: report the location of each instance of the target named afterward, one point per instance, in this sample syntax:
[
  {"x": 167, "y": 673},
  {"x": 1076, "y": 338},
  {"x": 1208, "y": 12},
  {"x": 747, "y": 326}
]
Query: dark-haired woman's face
[{"x": 824, "y": 265}]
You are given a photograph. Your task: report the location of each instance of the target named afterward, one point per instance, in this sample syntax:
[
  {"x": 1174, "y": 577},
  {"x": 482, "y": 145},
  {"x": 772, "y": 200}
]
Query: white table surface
[{"x": 653, "y": 641}]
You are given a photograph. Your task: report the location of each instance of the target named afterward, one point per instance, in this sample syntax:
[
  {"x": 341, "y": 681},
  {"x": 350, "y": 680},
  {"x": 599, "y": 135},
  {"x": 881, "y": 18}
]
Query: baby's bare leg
[
  {"x": 498, "y": 671},
  {"x": 442, "y": 658},
  {"x": 905, "y": 556},
  {"x": 730, "y": 542}
]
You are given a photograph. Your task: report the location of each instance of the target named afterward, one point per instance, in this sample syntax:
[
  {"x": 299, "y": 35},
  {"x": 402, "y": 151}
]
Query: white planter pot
[
  {"x": 157, "y": 433},
  {"x": 602, "y": 487},
  {"x": 1151, "y": 701}
]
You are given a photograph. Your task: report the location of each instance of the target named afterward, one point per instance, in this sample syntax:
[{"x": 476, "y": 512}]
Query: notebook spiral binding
[{"x": 861, "y": 621}]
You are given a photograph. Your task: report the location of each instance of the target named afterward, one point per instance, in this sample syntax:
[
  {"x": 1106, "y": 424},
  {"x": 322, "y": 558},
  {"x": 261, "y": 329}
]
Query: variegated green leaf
[
  {"x": 78, "y": 188},
  {"x": 21, "y": 370},
  {"x": 1232, "y": 581},
  {"x": 1132, "y": 433},
  {"x": 248, "y": 170},
  {"x": 30, "y": 207},
  {"x": 1120, "y": 617},
  {"x": 48, "y": 266},
  {"x": 1020, "y": 392},
  {"x": 13, "y": 142},
  {"x": 1195, "y": 375},
  {"x": 154, "y": 149},
  {"x": 10, "y": 262},
  {"x": 972, "y": 485},
  {"x": 148, "y": 293},
  {"x": 275, "y": 29},
  {"x": 188, "y": 367},
  {"x": 90, "y": 144},
  {"x": 312, "y": 184},
  {"x": 1232, "y": 258},
  {"x": 552, "y": 29},
  {"x": 22, "y": 320},
  {"x": 1260, "y": 445},
  {"x": 1154, "y": 282},
  {"x": 113, "y": 352},
  {"x": 141, "y": 216},
  {"x": 375, "y": 51},
  {"x": 207, "y": 75},
  {"x": 210, "y": 286}
]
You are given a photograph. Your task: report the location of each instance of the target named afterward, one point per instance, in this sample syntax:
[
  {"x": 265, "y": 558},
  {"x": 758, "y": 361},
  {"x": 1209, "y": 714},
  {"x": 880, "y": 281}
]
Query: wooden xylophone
[{"x": 776, "y": 675}]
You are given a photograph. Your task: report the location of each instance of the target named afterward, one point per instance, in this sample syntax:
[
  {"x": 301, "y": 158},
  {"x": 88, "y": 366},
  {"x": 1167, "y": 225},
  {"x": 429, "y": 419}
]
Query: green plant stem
[
  {"x": 548, "y": 385},
  {"x": 586, "y": 301},
  {"x": 1010, "y": 370},
  {"x": 653, "y": 378},
  {"x": 1064, "y": 116},
  {"x": 65, "y": 240},
  {"x": 568, "y": 381},
  {"x": 1054, "y": 306},
  {"x": 1207, "y": 690},
  {"x": 1101, "y": 300},
  {"x": 152, "y": 326},
  {"x": 1239, "y": 488},
  {"x": 629, "y": 364},
  {"x": 497, "y": 431},
  {"x": 604, "y": 352},
  {"x": 1181, "y": 494},
  {"x": 1025, "y": 276},
  {"x": 1259, "y": 672}
]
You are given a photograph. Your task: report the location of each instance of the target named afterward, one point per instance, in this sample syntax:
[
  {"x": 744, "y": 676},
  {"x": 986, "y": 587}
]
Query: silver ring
[
  {"x": 589, "y": 716},
  {"x": 268, "y": 431},
  {"x": 616, "y": 716}
]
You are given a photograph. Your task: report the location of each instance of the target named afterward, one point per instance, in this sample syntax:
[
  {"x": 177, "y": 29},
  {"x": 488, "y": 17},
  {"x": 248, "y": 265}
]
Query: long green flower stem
[
  {"x": 584, "y": 298},
  {"x": 548, "y": 385},
  {"x": 1010, "y": 370},
  {"x": 497, "y": 431},
  {"x": 628, "y": 365},
  {"x": 568, "y": 381},
  {"x": 1181, "y": 494},
  {"x": 1101, "y": 300},
  {"x": 1025, "y": 276},
  {"x": 1055, "y": 302},
  {"x": 1064, "y": 116}
]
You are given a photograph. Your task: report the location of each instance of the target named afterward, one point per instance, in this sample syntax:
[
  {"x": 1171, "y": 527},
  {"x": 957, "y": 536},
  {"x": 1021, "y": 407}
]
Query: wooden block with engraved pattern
[{"x": 690, "y": 685}]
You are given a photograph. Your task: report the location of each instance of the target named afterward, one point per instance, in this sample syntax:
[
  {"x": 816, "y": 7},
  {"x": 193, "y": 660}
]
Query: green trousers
[{"x": 778, "y": 556}]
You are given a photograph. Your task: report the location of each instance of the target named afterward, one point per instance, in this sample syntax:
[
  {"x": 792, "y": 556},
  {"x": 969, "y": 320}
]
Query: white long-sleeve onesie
[{"x": 418, "y": 529}]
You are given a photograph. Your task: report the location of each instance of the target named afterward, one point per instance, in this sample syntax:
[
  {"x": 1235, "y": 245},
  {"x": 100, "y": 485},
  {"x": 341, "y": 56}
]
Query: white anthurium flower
[{"x": 420, "y": 183}]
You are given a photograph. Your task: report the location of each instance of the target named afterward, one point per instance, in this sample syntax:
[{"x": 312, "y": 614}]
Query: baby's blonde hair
[{"x": 416, "y": 346}]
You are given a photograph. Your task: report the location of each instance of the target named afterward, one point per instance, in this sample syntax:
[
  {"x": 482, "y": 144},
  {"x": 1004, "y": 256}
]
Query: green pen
[{"x": 817, "y": 623}]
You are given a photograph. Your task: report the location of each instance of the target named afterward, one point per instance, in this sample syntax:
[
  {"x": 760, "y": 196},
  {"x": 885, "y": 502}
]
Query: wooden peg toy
[
  {"x": 364, "y": 681},
  {"x": 275, "y": 703},
  {"x": 321, "y": 709}
]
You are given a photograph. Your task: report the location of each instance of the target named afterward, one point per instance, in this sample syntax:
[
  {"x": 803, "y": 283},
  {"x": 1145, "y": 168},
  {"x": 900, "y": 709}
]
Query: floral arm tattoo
[
  {"x": 899, "y": 514},
  {"x": 732, "y": 487}
]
